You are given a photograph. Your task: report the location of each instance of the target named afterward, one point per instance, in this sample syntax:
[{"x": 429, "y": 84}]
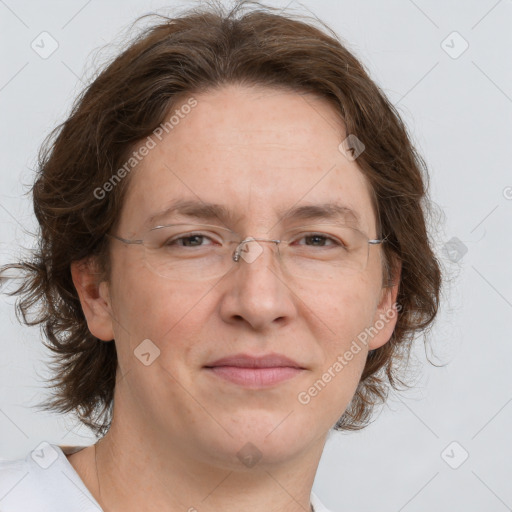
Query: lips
[
  {"x": 255, "y": 372},
  {"x": 247, "y": 361}
]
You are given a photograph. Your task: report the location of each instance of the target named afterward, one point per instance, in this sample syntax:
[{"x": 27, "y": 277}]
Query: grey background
[{"x": 458, "y": 107}]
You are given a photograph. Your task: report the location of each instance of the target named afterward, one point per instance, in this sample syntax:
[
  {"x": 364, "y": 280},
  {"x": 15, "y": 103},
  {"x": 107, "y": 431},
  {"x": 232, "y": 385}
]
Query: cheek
[
  {"x": 170, "y": 315},
  {"x": 147, "y": 306},
  {"x": 347, "y": 351},
  {"x": 347, "y": 315},
  {"x": 345, "y": 310},
  {"x": 330, "y": 390}
]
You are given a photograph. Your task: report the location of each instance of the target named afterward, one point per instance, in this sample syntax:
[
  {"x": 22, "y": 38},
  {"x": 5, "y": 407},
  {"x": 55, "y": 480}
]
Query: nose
[{"x": 256, "y": 292}]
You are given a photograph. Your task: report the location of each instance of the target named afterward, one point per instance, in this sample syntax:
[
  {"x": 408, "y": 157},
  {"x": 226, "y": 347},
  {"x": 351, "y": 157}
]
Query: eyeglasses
[{"x": 195, "y": 252}]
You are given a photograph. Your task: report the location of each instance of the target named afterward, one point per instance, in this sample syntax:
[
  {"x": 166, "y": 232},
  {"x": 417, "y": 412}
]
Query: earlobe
[{"x": 94, "y": 297}]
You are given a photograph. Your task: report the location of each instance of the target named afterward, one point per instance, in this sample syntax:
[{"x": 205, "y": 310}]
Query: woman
[{"x": 233, "y": 260}]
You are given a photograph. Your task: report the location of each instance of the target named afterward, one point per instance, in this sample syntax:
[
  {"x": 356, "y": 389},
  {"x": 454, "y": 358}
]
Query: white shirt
[{"x": 45, "y": 481}]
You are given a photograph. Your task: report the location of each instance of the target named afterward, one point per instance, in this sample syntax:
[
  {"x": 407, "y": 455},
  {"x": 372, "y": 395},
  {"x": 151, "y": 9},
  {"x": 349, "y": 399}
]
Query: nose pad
[{"x": 250, "y": 252}]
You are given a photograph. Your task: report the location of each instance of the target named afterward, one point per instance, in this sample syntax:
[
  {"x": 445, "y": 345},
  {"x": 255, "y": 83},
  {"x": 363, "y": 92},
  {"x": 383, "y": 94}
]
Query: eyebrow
[{"x": 204, "y": 211}]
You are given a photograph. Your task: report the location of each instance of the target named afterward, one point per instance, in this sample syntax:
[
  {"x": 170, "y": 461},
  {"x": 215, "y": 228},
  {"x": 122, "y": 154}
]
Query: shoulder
[
  {"x": 43, "y": 481},
  {"x": 317, "y": 504}
]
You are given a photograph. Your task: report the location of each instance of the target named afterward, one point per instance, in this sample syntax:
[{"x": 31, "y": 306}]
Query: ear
[
  {"x": 94, "y": 298},
  {"x": 386, "y": 314}
]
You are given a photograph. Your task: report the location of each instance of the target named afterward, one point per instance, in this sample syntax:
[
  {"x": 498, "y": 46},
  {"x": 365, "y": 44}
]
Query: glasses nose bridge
[{"x": 240, "y": 247}]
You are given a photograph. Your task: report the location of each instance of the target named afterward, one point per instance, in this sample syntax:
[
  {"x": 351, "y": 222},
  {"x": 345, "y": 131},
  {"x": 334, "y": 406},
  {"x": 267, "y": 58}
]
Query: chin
[{"x": 268, "y": 440}]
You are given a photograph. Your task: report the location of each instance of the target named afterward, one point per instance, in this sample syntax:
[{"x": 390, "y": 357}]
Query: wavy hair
[{"x": 198, "y": 50}]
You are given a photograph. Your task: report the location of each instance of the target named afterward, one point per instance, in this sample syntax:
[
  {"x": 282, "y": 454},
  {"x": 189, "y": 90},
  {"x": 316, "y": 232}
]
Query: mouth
[{"x": 255, "y": 372}]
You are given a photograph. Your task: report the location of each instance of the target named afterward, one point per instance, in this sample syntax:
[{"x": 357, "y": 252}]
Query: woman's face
[{"x": 256, "y": 152}]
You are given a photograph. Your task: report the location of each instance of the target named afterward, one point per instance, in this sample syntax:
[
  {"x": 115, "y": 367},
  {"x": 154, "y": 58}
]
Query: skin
[{"x": 177, "y": 429}]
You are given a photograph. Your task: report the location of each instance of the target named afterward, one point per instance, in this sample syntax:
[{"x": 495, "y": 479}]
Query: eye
[
  {"x": 185, "y": 237},
  {"x": 321, "y": 240},
  {"x": 188, "y": 240}
]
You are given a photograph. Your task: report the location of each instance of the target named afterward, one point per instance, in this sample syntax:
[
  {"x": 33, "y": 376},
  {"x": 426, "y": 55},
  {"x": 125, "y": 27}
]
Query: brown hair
[{"x": 201, "y": 49}]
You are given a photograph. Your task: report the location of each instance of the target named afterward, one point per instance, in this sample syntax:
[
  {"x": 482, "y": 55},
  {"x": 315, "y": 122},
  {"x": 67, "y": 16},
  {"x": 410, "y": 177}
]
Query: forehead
[{"x": 256, "y": 153}]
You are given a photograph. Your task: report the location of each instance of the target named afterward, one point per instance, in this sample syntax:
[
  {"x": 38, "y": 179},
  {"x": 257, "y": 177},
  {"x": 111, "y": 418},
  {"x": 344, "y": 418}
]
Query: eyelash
[{"x": 305, "y": 235}]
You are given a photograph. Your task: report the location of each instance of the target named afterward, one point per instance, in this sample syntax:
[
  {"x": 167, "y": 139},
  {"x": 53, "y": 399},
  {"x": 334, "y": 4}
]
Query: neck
[
  {"x": 150, "y": 479},
  {"x": 137, "y": 466}
]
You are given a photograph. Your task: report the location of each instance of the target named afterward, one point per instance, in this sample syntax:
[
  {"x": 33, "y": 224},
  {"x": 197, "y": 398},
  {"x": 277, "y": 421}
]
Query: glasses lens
[
  {"x": 320, "y": 252},
  {"x": 324, "y": 252},
  {"x": 189, "y": 252}
]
